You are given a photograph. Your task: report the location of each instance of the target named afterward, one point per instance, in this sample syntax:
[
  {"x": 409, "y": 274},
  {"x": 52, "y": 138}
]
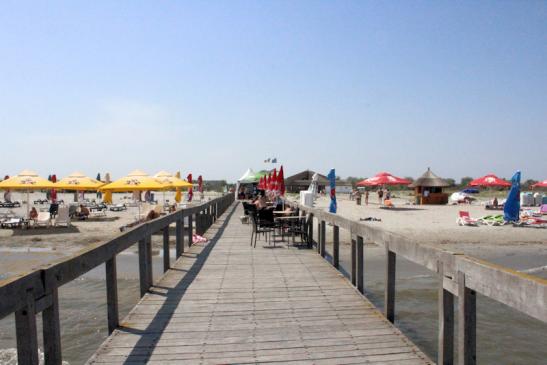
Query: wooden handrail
[{"x": 37, "y": 291}]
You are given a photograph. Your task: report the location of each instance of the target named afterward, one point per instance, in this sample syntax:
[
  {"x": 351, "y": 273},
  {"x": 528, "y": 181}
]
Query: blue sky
[{"x": 214, "y": 87}]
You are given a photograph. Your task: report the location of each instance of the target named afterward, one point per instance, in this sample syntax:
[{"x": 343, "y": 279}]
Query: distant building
[
  {"x": 342, "y": 187},
  {"x": 302, "y": 180}
]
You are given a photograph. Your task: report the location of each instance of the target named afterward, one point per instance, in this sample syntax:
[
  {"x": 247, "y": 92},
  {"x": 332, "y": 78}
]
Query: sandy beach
[
  {"x": 436, "y": 224},
  {"x": 24, "y": 249}
]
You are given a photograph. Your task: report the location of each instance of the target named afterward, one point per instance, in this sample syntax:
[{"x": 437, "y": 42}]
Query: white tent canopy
[{"x": 248, "y": 177}]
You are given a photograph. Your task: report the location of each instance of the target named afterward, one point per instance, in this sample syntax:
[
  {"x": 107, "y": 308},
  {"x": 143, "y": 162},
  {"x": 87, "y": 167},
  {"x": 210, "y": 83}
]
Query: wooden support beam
[
  {"x": 322, "y": 239},
  {"x": 310, "y": 232},
  {"x": 360, "y": 265},
  {"x": 143, "y": 270},
  {"x": 51, "y": 331},
  {"x": 318, "y": 247},
  {"x": 389, "y": 295},
  {"x": 149, "y": 271},
  {"x": 166, "y": 251},
  {"x": 112, "y": 294},
  {"x": 446, "y": 322},
  {"x": 25, "y": 329},
  {"x": 353, "y": 261},
  {"x": 336, "y": 246},
  {"x": 467, "y": 323},
  {"x": 190, "y": 229},
  {"x": 179, "y": 239}
]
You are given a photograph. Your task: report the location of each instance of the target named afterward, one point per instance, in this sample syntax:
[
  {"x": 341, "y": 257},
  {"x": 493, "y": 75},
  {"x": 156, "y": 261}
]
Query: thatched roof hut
[
  {"x": 430, "y": 180},
  {"x": 429, "y": 189}
]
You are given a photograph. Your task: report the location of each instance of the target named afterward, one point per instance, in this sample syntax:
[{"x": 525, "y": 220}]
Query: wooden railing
[
  {"x": 459, "y": 275},
  {"x": 37, "y": 291}
]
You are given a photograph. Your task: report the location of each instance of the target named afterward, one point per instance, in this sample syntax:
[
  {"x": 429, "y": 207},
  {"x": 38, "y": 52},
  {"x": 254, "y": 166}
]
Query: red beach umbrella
[
  {"x": 383, "y": 178},
  {"x": 281, "y": 181},
  {"x": 490, "y": 180},
  {"x": 541, "y": 184},
  {"x": 274, "y": 180},
  {"x": 190, "y": 190},
  {"x": 200, "y": 184},
  {"x": 269, "y": 182}
]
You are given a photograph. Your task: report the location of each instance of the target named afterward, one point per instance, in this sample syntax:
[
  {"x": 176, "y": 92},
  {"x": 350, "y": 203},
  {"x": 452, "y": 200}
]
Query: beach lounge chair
[
  {"x": 63, "y": 217},
  {"x": 465, "y": 219},
  {"x": 492, "y": 220},
  {"x": 118, "y": 207},
  {"x": 12, "y": 223},
  {"x": 43, "y": 220}
]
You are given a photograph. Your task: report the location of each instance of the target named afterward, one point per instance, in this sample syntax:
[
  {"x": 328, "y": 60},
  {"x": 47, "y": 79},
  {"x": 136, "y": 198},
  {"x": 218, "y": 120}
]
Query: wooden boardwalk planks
[{"x": 226, "y": 302}]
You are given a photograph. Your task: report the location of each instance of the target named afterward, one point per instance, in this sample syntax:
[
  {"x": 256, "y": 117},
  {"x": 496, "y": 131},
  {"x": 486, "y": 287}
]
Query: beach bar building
[
  {"x": 428, "y": 189},
  {"x": 302, "y": 180}
]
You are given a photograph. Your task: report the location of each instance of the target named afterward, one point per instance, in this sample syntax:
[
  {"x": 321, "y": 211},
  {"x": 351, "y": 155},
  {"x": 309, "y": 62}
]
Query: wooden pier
[{"x": 227, "y": 302}]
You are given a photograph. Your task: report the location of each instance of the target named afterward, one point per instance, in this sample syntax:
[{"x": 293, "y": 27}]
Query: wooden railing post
[
  {"x": 25, "y": 329},
  {"x": 149, "y": 271},
  {"x": 318, "y": 247},
  {"x": 310, "y": 232},
  {"x": 353, "y": 261},
  {"x": 111, "y": 295},
  {"x": 179, "y": 239},
  {"x": 467, "y": 323},
  {"x": 166, "y": 252},
  {"x": 322, "y": 239},
  {"x": 360, "y": 265},
  {"x": 389, "y": 295},
  {"x": 143, "y": 266},
  {"x": 446, "y": 321},
  {"x": 336, "y": 246},
  {"x": 190, "y": 230},
  {"x": 51, "y": 331}
]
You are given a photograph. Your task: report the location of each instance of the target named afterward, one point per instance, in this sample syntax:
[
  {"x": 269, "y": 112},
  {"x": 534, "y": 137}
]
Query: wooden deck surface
[{"x": 225, "y": 302}]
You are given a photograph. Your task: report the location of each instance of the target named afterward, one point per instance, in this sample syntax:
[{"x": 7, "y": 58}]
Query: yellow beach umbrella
[
  {"x": 26, "y": 180},
  {"x": 78, "y": 181},
  {"x": 135, "y": 181},
  {"x": 172, "y": 182}
]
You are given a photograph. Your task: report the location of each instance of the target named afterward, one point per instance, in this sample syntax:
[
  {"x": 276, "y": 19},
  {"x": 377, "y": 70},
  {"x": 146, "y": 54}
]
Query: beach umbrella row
[{"x": 273, "y": 181}]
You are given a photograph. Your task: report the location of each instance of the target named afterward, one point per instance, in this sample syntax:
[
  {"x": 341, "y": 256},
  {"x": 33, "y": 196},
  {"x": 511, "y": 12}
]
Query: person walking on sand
[
  {"x": 380, "y": 195},
  {"x": 366, "y": 197}
]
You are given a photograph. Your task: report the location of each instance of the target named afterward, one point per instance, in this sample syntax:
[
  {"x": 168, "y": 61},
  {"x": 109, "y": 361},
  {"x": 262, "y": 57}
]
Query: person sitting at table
[
  {"x": 260, "y": 202},
  {"x": 83, "y": 213},
  {"x": 33, "y": 214}
]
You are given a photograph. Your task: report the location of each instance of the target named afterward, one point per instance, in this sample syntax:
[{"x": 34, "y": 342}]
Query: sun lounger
[
  {"x": 492, "y": 220},
  {"x": 63, "y": 217},
  {"x": 465, "y": 219},
  {"x": 118, "y": 207},
  {"x": 43, "y": 220},
  {"x": 12, "y": 223},
  {"x": 531, "y": 222}
]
